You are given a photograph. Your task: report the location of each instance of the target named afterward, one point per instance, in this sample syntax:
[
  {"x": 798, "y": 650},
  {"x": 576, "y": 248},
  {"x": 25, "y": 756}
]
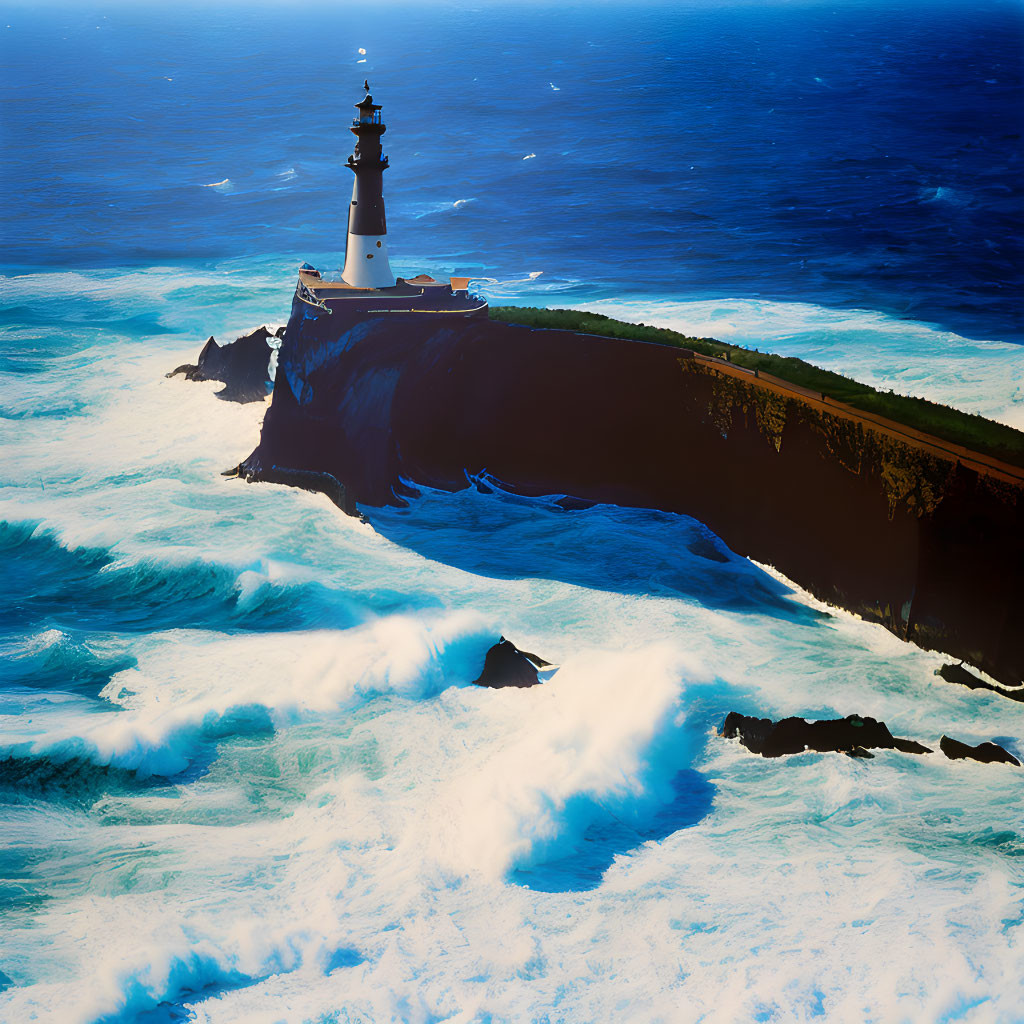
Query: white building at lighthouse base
[{"x": 366, "y": 262}]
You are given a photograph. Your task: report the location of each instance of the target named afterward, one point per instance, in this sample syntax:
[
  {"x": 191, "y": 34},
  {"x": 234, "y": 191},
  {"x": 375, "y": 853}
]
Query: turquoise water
[{"x": 244, "y": 776}]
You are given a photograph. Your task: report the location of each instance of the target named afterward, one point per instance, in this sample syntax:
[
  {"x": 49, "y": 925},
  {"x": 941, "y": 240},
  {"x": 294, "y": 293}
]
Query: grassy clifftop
[{"x": 970, "y": 431}]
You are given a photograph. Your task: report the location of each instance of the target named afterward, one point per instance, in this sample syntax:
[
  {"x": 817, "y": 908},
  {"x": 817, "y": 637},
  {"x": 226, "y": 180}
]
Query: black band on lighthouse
[{"x": 366, "y": 212}]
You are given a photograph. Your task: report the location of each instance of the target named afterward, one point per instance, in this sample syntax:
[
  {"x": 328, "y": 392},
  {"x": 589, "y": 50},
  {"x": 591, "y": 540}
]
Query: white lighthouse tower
[{"x": 366, "y": 251}]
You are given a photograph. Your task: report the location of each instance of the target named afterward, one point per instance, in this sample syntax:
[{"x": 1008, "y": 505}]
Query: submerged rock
[
  {"x": 506, "y": 665},
  {"x": 987, "y": 753},
  {"x": 243, "y": 365},
  {"x": 852, "y": 735}
]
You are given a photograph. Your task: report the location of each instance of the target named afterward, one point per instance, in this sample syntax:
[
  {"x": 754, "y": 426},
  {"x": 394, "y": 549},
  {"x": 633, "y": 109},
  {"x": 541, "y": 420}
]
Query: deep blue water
[
  {"x": 243, "y": 775},
  {"x": 845, "y": 154}
]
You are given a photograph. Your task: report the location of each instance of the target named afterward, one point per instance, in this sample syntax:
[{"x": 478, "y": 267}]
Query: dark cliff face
[{"x": 859, "y": 517}]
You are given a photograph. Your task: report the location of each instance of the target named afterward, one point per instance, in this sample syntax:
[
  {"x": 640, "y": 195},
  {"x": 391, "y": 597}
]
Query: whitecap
[
  {"x": 530, "y": 156},
  {"x": 943, "y": 194},
  {"x": 492, "y": 287},
  {"x": 420, "y": 210}
]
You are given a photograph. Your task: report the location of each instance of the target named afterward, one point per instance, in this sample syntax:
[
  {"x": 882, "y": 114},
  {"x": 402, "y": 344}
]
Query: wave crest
[
  {"x": 183, "y": 697},
  {"x": 605, "y": 737}
]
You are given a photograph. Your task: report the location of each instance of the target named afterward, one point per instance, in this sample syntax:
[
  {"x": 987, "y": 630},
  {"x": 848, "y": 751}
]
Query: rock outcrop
[
  {"x": 243, "y": 365},
  {"x": 305, "y": 479},
  {"x": 852, "y": 735},
  {"x": 962, "y": 677},
  {"x": 987, "y": 753},
  {"x": 506, "y": 665}
]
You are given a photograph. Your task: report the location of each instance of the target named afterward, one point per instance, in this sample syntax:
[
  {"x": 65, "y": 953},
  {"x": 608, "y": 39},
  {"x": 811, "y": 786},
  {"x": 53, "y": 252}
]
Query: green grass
[{"x": 970, "y": 431}]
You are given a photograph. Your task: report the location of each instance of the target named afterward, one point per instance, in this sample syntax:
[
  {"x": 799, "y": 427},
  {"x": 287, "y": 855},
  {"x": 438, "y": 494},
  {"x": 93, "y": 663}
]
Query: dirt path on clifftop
[{"x": 927, "y": 442}]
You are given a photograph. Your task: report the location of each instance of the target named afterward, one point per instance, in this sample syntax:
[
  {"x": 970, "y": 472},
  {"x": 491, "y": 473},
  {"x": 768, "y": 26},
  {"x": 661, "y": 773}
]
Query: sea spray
[
  {"x": 248, "y": 685},
  {"x": 602, "y": 737}
]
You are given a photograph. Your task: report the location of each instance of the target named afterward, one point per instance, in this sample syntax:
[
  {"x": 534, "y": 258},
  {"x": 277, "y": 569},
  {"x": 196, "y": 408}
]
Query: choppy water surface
[{"x": 244, "y": 776}]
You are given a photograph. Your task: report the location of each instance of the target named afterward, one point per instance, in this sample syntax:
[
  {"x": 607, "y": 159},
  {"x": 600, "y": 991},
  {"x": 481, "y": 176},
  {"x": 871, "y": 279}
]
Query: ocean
[{"x": 244, "y": 775}]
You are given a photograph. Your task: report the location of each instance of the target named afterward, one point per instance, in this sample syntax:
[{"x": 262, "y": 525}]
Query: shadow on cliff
[{"x": 489, "y": 532}]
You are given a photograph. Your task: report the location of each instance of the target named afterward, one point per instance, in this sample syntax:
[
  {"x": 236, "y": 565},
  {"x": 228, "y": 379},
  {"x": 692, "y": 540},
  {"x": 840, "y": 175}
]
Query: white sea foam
[
  {"x": 580, "y": 750},
  {"x": 149, "y": 284},
  {"x": 492, "y": 288},
  {"x": 169, "y": 714},
  {"x": 185, "y": 302},
  {"x": 407, "y": 871}
]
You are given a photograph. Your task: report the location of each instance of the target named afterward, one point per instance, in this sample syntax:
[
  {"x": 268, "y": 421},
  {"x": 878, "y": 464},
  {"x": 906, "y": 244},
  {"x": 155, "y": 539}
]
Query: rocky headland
[{"x": 907, "y": 529}]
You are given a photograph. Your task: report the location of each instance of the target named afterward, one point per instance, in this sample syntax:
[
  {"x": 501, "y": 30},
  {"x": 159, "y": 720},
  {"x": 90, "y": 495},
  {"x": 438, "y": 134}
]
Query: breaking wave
[
  {"x": 188, "y": 690},
  {"x": 606, "y": 739}
]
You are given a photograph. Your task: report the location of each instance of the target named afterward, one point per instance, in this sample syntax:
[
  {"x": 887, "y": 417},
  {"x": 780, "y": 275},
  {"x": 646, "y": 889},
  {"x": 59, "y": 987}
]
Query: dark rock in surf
[
  {"x": 304, "y": 479},
  {"x": 752, "y": 732},
  {"x": 243, "y": 365},
  {"x": 987, "y": 753},
  {"x": 506, "y": 665},
  {"x": 852, "y": 735},
  {"x": 958, "y": 674}
]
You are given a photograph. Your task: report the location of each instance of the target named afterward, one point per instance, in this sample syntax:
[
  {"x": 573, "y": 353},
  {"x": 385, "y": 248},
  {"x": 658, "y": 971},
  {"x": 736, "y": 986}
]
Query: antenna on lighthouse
[{"x": 366, "y": 249}]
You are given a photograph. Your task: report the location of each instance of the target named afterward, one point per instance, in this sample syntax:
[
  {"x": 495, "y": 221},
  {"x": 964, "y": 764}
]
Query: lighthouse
[
  {"x": 367, "y": 287},
  {"x": 366, "y": 250}
]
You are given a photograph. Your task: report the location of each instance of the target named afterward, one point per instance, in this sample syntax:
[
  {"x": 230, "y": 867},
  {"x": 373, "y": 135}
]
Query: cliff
[{"x": 918, "y": 534}]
